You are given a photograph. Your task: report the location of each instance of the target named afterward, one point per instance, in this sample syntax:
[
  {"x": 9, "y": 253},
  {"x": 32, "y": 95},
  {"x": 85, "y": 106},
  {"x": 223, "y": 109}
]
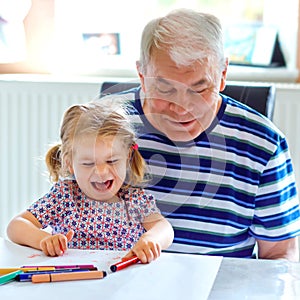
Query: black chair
[{"x": 261, "y": 97}]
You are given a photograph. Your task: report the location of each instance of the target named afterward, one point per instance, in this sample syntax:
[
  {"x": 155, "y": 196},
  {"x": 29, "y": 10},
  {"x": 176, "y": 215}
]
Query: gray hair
[{"x": 187, "y": 35}]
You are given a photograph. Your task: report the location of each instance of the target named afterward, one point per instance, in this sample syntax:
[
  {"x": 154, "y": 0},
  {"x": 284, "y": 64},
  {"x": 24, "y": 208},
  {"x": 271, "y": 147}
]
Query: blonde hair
[{"x": 106, "y": 117}]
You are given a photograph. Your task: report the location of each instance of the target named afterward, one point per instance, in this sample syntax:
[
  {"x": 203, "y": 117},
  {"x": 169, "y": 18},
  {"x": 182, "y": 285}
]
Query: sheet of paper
[{"x": 172, "y": 276}]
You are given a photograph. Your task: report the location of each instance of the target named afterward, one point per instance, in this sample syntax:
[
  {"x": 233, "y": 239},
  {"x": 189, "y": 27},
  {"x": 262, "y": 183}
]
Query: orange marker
[{"x": 52, "y": 277}]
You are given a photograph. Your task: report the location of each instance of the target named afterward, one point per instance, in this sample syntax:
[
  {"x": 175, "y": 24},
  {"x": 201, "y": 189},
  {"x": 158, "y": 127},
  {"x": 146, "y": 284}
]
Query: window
[
  {"x": 12, "y": 34},
  {"x": 96, "y": 38},
  {"x": 91, "y": 17}
]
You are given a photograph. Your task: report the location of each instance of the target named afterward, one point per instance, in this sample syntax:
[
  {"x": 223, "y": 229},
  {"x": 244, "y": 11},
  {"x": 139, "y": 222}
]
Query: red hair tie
[{"x": 135, "y": 147}]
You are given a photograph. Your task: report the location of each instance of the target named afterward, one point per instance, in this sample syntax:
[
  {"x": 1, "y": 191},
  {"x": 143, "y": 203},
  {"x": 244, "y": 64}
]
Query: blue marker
[{"x": 24, "y": 277}]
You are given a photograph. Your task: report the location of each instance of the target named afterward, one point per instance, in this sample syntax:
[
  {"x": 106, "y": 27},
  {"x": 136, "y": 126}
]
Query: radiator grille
[
  {"x": 286, "y": 117},
  {"x": 30, "y": 117}
]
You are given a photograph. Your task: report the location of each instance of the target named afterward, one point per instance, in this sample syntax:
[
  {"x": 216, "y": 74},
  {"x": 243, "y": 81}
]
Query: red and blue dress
[{"x": 97, "y": 225}]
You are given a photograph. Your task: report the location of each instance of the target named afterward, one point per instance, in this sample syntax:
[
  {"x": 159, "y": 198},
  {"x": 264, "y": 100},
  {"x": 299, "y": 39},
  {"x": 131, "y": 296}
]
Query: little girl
[{"x": 95, "y": 201}]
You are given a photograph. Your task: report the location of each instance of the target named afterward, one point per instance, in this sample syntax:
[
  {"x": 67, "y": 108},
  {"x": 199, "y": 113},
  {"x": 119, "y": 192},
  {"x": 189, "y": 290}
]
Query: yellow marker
[{"x": 31, "y": 269}]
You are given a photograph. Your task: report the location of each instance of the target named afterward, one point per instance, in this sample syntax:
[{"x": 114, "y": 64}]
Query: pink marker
[{"x": 65, "y": 267}]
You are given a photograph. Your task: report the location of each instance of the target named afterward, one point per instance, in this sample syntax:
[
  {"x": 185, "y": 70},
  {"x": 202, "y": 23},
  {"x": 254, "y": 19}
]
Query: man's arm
[{"x": 286, "y": 249}]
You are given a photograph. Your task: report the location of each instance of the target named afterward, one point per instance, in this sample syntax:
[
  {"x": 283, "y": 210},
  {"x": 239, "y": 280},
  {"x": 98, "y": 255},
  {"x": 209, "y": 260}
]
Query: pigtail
[
  {"x": 53, "y": 162},
  {"x": 138, "y": 166}
]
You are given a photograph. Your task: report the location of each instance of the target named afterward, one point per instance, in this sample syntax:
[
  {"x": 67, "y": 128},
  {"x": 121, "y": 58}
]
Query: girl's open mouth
[{"x": 101, "y": 186}]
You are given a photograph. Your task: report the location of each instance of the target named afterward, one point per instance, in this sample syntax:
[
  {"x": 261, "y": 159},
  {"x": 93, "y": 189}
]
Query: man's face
[{"x": 181, "y": 102}]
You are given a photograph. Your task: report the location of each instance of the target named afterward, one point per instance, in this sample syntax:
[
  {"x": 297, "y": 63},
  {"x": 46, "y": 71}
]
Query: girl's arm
[
  {"x": 159, "y": 235},
  {"x": 25, "y": 229},
  {"x": 159, "y": 229}
]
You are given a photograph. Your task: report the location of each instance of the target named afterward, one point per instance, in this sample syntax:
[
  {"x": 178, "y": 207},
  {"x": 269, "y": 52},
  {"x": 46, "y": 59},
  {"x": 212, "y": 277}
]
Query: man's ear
[
  {"x": 224, "y": 76},
  {"x": 141, "y": 76}
]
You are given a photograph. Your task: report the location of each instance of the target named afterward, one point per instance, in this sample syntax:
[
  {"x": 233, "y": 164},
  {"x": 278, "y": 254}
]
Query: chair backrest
[
  {"x": 112, "y": 87},
  {"x": 261, "y": 97}
]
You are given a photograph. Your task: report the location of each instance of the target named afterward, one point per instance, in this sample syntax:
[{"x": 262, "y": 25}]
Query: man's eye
[
  {"x": 199, "y": 91},
  {"x": 165, "y": 91}
]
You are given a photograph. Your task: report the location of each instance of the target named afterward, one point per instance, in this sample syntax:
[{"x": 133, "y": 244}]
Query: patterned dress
[{"x": 97, "y": 225}]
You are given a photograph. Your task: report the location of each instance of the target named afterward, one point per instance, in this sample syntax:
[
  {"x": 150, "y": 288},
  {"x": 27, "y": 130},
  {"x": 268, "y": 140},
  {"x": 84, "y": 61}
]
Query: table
[
  {"x": 256, "y": 279},
  {"x": 172, "y": 276}
]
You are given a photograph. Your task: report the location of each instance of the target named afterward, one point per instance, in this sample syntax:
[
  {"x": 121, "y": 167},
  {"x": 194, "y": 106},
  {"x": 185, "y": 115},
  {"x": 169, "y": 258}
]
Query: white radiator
[
  {"x": 30, "y": 116},
  {"x": 286, "y": 117}
]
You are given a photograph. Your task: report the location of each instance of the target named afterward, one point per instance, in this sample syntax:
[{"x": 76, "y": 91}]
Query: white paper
[{"x": 171, "y": 276}]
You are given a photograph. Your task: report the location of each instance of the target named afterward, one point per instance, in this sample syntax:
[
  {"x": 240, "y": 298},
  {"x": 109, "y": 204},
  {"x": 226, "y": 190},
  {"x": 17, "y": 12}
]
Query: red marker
[{"x": 124, "y": 263}]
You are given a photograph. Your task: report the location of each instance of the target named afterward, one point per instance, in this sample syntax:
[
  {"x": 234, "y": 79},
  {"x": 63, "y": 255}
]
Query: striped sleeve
[{"x": 276, "y": 208}]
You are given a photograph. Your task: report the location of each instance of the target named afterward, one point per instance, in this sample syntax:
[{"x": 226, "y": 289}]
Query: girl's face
[{"x": 99, "y": 165}]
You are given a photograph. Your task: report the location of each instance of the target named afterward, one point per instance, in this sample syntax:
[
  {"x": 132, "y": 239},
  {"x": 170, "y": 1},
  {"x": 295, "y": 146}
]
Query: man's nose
[
  {"x": 181, "y": 104},
  {"x": 178, "y": 109}
]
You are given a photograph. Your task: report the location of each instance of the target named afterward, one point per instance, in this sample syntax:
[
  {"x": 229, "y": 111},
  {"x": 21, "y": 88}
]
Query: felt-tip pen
[
  {"x": 9, "y": 276},
  {"x": 29, "y": 269},
  {"x": 24, "y": 277},
  {"x": 63, "y": 267},
  {"x": 124, "y": 263},
  {"x": 53, "y": 277}
]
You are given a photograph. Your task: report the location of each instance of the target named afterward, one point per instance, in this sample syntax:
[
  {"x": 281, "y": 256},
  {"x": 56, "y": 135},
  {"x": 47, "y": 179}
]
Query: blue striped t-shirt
[{"x": 231, "y": 185}]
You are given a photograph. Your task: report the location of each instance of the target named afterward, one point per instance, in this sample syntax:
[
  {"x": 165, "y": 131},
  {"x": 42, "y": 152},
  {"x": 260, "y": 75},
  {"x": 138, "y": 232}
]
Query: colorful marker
[
  {"x": 124, "y": 263},
  {"x": 24, "y": 277},
  {"x": 31, "y": 269},
  {"x": 10, "y": 276},
  {"x": 63, "y": 267},
  {"x": 89, "y": 267},
  {"x": 53, "y": 277}
]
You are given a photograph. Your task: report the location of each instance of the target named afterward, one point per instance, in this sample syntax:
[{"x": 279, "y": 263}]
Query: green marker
[{"x": 8, "y": 277}]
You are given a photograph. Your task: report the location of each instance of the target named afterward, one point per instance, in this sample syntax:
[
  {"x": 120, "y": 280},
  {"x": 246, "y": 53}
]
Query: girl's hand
[
  {"x": 56, "y": 245},
  {"x": 146, "y": 249}
]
